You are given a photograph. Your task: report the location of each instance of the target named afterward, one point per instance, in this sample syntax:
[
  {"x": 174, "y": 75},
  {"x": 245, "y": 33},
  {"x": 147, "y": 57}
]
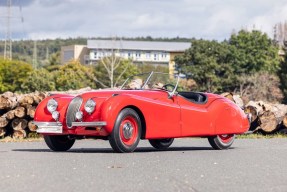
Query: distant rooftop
[{"x": 138, "y": 45}]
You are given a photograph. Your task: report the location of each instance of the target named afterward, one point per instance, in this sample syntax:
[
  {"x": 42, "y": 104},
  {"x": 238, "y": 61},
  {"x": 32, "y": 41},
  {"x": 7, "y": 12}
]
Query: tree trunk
[
  {"x": 31, "y": 111},
  {"x": 238, "y": 101},
  {"x": 26, "y": 100},
  {"x": 20, "y": 112},
  {"x": 10, "y": 115},
  {"x": 4, "y": 102},
  {"x": 2, "y": 131},
  {"x": 19, "y": 134},
  {"x": 268, "y": 122},
  {"x": 32, "y": 127},
  {"x": 3, "y": 122},
  {"x": 228, "y": 95},
  {"x": 19, "y": 124},
  {"x": 272, "y": 117}
]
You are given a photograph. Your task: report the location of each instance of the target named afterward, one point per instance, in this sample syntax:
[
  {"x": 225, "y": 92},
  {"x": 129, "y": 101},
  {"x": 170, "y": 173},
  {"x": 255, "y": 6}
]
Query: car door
[
  {"x": 162, "y": 115},
  {"x": 195, "y": 119}
]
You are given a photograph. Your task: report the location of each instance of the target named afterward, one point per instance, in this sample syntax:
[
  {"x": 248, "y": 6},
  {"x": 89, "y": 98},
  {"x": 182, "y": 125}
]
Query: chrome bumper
[
  {"x": 57, "y": 127},
  {"x": 49, "y": 127},
  {"x": 89, "y": 124}
]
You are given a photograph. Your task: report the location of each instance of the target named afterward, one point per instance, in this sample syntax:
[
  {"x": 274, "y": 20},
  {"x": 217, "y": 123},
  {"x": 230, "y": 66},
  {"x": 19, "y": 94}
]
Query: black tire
[
  {"x": 220, "y": 142},
  {"x": 59, "y": 142},
  {"x": 161, "y": 143},
  {"x": 126, "y": 132}
]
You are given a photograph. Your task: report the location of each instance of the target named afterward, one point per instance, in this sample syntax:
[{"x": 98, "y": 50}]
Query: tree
[
  {"x": 260, "y": 86},
  {"x": 13, "y": 74},
  {"x": 146, "y": 68},
  {"x": 39, "y": 80},
  {"x": 207, "y": 62},
  {"x": 110, "y": 72},
  {"x": 73, "y": 75},
  {"x": 218, "y": 66},
  {"x": 253, "y": 52}
]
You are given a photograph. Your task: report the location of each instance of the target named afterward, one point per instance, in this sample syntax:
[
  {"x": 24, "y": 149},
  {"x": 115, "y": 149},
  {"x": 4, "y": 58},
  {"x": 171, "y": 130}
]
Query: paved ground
[{"x": 189, "y": 165}]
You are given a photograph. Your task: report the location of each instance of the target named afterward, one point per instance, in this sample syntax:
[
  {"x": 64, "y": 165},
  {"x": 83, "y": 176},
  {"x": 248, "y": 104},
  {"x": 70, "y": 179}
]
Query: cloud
[
  {"x": 17, "y": 2},
  {"x": 209, "y": 19}
]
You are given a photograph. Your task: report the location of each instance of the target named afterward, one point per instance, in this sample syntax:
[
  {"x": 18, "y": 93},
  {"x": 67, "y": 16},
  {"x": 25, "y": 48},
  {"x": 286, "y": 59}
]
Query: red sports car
[{"x": 147, "y": 106}]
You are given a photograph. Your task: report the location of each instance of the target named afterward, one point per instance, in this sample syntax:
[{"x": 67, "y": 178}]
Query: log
[
  {"x": 19, "y": 134},
  {"x": 256, "y": 109},
  {"x": 238, "y": 101},
  {"x": 20, "y": 112},
  {"x": 272, "y": 117},
  {"x": 4, "y": 102},
  {"x": 19, "y": 124},
  {"x": 268, "y": 122},
  {"x": 284, "y": 121},
  {"x": 3, "y": 121},
  {"x": 26, "y": 99},
  {"x": 10, "y": 114},
  {"x": 31, "y": 111},
  {"x": 8, "y": 100},
  {"x": 32, "y": 127},
  {"x": 2, "y": 131},
  {"x": 228, "y": 95}
]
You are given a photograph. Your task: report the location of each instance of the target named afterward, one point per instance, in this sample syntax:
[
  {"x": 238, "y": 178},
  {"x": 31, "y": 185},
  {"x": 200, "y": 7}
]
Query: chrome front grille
[{"x": 73, "y": 108}]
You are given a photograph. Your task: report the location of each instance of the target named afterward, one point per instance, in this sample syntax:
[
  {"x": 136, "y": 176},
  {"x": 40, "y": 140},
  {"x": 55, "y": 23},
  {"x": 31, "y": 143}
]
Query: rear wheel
[
  {"x": 220, "y": 142},
  {"x": 161, "y": 143},
  {"x": 126, "y": 132},
  {"x": 59, "y": 142}
]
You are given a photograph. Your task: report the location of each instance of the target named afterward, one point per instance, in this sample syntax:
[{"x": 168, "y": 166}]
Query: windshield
[{"x": 153, "y": 80}]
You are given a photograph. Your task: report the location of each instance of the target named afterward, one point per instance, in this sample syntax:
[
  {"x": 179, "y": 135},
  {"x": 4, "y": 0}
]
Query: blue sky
[{"x": 207, "y": 19}]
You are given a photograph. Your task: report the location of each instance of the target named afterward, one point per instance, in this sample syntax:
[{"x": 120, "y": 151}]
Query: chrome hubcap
[{"x": 128, "y": 130}]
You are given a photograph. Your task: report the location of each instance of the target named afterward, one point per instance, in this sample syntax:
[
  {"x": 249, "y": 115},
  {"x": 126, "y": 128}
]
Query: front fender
[
  {"x": 112, "y": 107},
  {"x": 43, "y": 115}
]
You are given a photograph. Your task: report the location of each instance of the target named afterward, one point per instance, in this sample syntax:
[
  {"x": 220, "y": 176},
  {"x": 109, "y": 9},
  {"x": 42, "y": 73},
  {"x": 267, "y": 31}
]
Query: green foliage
[
  {"x": 146, "y": 68},
  {"x": 13, "y": 74},
  {"x": 253, "y": 52},
  {"x": 111, "y": 72},
  {"x": 282, "y": 73},
  {"x": 217, "y": 66},
  {"x": 39, "y": 80},
  {"x": 207, "y": 62},
  {"x": 73, "y": 75}
]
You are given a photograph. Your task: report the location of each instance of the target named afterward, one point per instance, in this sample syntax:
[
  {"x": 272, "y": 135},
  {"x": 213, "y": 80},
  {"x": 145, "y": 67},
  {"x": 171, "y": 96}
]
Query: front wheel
[
  {"x": 161, "y": 143},
  {"x": 220, "y": 142},
  {"x": 126, "y": 132},
  {"x": 59, "y": 142}
]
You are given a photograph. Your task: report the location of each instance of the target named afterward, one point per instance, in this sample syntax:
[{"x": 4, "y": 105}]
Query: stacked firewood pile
[
  {"x": 266, "y": 117},
  {"x": 17, "y": 112}
]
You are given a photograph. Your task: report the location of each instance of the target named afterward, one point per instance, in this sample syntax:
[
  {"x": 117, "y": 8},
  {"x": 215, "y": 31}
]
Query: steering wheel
[{"x": 166, "y": 87}]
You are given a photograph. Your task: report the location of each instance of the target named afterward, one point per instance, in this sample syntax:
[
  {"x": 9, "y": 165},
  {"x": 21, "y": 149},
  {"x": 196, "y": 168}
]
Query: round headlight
[
  {"x": 52, "y": 105},
  {"x": 90, "y": 106}
]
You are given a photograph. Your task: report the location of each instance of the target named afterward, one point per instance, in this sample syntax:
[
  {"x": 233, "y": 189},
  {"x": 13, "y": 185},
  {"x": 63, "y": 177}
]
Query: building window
[
  {"x": 147, "y": 55},
  {"x": 138, "y": 54},
  {"x": 155, "y": 57},
  {"x": 129, "y": 54}
]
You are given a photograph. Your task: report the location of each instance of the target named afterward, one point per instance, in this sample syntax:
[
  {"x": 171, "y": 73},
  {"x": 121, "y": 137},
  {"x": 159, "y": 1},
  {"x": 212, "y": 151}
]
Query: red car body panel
[{"x": 162, "y": 117}]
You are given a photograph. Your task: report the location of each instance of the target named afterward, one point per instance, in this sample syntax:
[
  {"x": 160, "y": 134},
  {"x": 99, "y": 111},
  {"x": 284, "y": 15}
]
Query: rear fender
[{"x": 228, "y": 118}]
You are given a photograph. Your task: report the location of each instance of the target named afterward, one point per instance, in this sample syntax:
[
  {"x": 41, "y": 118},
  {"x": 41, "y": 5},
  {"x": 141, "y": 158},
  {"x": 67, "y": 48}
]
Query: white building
[{"x": 142, "y": 52}]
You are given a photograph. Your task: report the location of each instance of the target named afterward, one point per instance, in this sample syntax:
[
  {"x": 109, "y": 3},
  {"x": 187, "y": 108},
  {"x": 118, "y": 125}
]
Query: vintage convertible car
[{"x": 147, "y": 106}]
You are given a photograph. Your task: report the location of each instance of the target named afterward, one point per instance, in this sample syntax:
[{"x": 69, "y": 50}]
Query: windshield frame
[{"x": 150, "y": 74}]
